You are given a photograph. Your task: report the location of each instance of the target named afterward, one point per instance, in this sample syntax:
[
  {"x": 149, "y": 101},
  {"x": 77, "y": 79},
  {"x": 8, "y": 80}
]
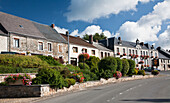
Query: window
[
  {"x": 101, "y": 54},
  {"x": 155, "y": 54},
  {"x": 75, "y": 50},
  {"x": 40, "y": 45},
  {"x": 151, "y": 53},
  {"x": 108, "y": 54},
  {"x": 133, "y": 51},
  {"x": 16, "y": 42},
  {"x": 123, "y": 50},
  {"x": 49, "y": 47},
  {"x": 117, "y": 50},
  {"x": 143, "y": 52},
  {"x": 129, "y": 51},
  {"x": 84, "y": 50},
  {"x": 136, "y": 52},
  {"x": 93, "y": 52},
  {"x": 105, "y": 54},
  {"x": 60, "y": 48},
  {"x": 146, "y": 53}
]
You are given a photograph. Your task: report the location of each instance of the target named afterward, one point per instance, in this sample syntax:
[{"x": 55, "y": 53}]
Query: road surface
[{"x": 153, "y": 90}]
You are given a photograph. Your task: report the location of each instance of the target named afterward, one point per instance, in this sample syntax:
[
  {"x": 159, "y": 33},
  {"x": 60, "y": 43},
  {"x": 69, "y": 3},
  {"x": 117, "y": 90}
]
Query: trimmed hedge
[
  {"x": 125, "y": 67},
  {"x": 119, "y": 64},
  {"x": 21, "y": 61},
  {"x": 141, "y": 72},
  {"x": 131, "y": 67},
  {"x": 50, "y": 60},
  {"x": 155, "y": 72},
  {"x": 92, "y": 62}
]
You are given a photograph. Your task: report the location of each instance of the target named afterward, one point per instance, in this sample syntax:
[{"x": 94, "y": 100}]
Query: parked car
[{"x": 148, "y": 69}]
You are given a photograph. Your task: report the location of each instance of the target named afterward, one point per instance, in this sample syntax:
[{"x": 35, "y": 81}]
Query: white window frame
[
  {"x": 42, "y": 45},
  {"x": 15, "y": 43},
  {"x": 48, "y": 46}
]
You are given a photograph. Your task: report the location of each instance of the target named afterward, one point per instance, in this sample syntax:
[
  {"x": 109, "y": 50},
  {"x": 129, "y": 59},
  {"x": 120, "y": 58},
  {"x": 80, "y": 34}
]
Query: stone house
[
  {"x": 142, "y": 54},
  {"x": 79, "y": 46},
  {"x": 164, "y": 59},
  {"x": 22, "y": 36}
]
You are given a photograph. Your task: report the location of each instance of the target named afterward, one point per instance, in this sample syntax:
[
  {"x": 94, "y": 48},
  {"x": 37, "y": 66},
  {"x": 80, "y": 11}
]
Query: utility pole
[{"x": 67, "y": 33}]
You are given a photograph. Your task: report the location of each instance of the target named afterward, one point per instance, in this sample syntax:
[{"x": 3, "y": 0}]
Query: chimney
[
  {"x": 137, "y": 41},
  {"x": 91, "y": 39},
  {"x": 53, "y": 25},
  {"x": 159, "y": 48},
  {"x": 152, "y": 47},
  {"x": 78, "y": 36},
  {"x": 142, "y": 43},
  {"x": 169, "y": 50},
  {"x": 120, "y": 41},
  {"x": 67, "y": 33}
]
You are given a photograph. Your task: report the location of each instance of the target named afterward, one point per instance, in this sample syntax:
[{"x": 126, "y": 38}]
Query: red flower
[{"x": 118, "y": 53}]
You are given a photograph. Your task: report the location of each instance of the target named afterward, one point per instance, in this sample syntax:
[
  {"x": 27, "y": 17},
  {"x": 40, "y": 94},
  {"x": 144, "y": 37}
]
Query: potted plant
[
  {"x": 124, "y": 54},
  {"x": 118, "y": 53}
]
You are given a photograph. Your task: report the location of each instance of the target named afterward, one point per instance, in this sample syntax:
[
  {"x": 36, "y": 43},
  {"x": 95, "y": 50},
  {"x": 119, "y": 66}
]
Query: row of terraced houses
[{"x": 25, "y": 37}]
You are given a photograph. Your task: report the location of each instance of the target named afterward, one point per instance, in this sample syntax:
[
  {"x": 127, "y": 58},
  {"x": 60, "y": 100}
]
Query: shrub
[
  {"x": 50, "y": 60},
  {"x": 119, "y": 64},
  {"x": 78, "y": 77},
  {"x": 83, "y": 57},
  {"x": 70, "y": 81},
  {"x": 131, "y": 67},
  {"x": 83, "y": 66},
  {"x": 92, "y": 62},
  {"x": 108, "y": 63},
  {"x": 50, "y": 76},
  {"x": 64, "y": 72},
  {"x": 72, "y": 68},
  {"x": 9, "y": 69},
  {"x": 135, "y": 71},
  {"x": 125, "y": 67},
  {"x": 155, "y": 72},
  {"x": 88, "y": 75},
  {"x": 21, "y": 61},
  {"x": 3, "y": 84},
  {"x": 106, "y": 74},
  {"x": 118, "y": 74},
  {"x": 141, "y": 72}
]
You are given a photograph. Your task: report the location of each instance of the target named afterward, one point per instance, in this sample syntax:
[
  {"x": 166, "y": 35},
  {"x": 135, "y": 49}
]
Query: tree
[
  {"x": 86, "y": 37},
  {"x": 96, "y": 36},
  {"x": 125, "y": 67}
]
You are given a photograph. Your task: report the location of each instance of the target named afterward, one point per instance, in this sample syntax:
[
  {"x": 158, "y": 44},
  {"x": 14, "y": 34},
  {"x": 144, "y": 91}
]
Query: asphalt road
[{"x": 153, "y": 90}]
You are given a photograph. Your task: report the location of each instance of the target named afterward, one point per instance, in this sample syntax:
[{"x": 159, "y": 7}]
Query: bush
[
  {"x": 83, "y": 66},
  {"x": 50, "y": 60},
  {"x": 72, "y": 68},
  {"x": 135, "y": 71},
  {"x": 106, "y": 74},
  {"x": 119, "y": 64},
  {"x": 92, "y": 62},
  {"x": 141, "y": 72},
  {"x": 88, "y": 75},
  {"x": 108, "y": 63},
  {"x": 83, "y": 57},
  {"x": 155, "y": 72},
  {"x": 125, "y": 67},
  {"x": 131, "y": 67},
  {"x": 3, "y": 84},
  {"x": 21, "y": 61},
  {"x": 78, "y": 77},
  {"x": 50, "y": 76},
  {"x": 8, "y": 69},
  {"x": 70, "y": 81}
]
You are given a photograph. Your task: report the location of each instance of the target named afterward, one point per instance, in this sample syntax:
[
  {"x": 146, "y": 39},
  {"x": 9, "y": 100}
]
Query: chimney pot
[
  {"x": 67, "y": 33},
  {"x": 53, "y": 25},
  {"x": 142, "y": 43},
  {"x": 119, "y": 38}
]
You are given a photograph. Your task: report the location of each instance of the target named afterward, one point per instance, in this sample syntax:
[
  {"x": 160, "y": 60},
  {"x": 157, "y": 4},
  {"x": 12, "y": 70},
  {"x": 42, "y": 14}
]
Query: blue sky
[{"x": 147, "y": 20}]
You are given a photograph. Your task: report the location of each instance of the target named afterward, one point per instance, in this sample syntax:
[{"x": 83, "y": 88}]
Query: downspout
[{"x": 9, "y": 42}]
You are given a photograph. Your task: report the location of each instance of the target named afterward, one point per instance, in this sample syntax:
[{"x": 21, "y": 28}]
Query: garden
[{"x": 51, "y": 71}]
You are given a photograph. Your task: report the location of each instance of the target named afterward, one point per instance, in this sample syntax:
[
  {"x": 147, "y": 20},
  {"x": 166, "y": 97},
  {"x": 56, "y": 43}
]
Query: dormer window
[{"x": 21, "y": 26}]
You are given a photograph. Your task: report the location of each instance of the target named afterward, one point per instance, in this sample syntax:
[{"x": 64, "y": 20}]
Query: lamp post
[
  {"x": 67, "y": 33},
  {"x": 83, "y": 57}
]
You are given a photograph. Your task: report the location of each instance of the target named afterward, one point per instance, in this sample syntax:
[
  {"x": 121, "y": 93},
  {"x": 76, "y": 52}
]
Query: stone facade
[
  {"x": 3, "y": 43},
  {"x": 31, "y": 45},
  {"x": 164, "y": 64}
]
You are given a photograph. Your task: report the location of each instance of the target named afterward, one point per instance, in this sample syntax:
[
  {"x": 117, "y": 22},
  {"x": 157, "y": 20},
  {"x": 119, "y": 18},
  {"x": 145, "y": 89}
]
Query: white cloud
[
  {"x": 60, "y": 30},
  {"x": 88, "y": 10},
  {"x": 148, "y": 27},
  {"x": 164, "y": 39},
  {"x": 90, "y": 30}
]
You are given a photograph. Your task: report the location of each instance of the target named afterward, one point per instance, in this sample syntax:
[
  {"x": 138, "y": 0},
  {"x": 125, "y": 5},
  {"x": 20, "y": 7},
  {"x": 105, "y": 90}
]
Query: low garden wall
[
  {"x": 45, "y": 90},
  {"x": 24, "y": 91}
]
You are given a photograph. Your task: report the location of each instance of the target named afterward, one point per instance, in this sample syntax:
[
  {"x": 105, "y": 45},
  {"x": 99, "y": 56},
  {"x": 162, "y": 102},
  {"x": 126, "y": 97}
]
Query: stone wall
[
  {"x": 24, "y": 91},
  {"x": 28, "y": 44}
]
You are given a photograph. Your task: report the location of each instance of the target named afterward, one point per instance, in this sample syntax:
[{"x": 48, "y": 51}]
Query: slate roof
[
  {"x": 163, "y": 54},
  {"x": 100, "y": 46},
  {"x": 21, "y": 26},
  {"x": 114, "y": 41},
  {"x": 50, "y": 33},
  {"x": 77, "y": 41}
]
